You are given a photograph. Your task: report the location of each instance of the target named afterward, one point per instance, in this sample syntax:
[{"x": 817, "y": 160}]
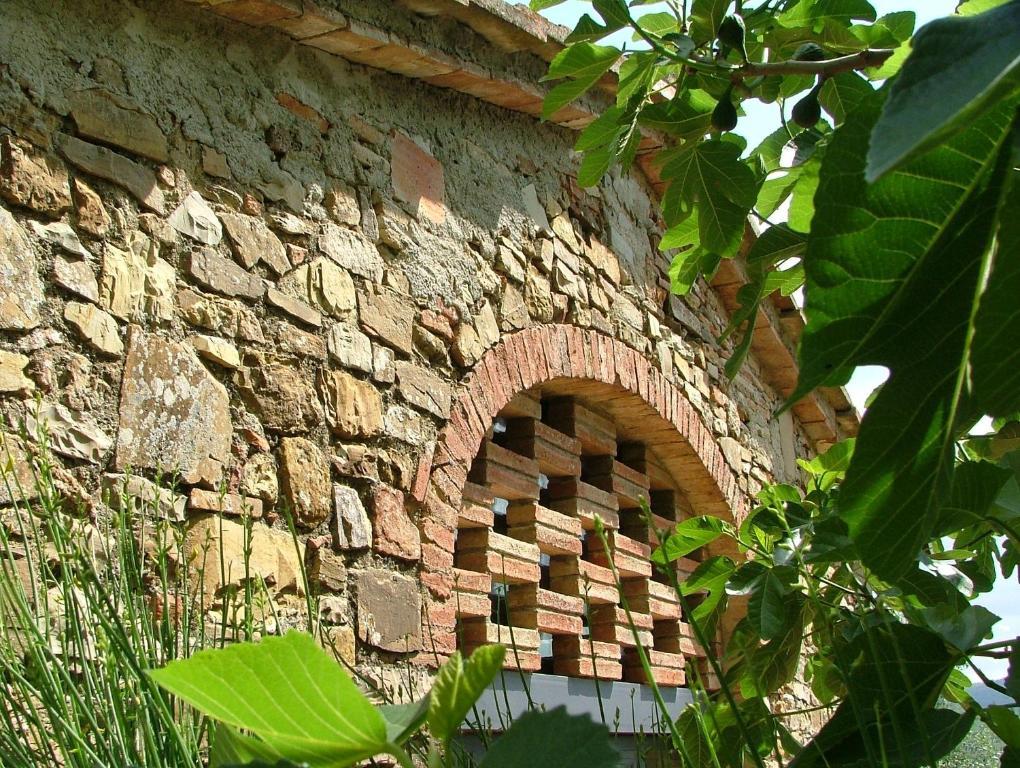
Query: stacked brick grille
[{"x": 529, "y": 571}]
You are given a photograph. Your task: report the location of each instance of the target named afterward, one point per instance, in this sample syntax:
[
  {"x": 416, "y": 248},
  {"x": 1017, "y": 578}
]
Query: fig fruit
[
  {"x": 809, "y": 52},
  {"x": 807, "y": 112},
  {"x": 731, "y": 34},
  {"x": 724, "y": 116}
]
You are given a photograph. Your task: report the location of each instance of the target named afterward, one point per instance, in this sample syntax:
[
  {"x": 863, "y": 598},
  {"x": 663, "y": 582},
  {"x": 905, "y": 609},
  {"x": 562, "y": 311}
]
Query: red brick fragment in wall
[
  {"x": 418, "y": 178},
  {"x": 302, "y": 110}
]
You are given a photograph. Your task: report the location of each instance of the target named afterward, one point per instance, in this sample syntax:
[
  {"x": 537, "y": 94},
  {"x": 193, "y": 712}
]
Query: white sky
[{"x": 1004, "y": 599}]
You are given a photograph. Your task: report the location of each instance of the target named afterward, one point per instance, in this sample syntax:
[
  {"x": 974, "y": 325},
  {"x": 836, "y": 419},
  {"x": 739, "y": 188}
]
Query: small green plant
[{"x": 285, "y": 702}]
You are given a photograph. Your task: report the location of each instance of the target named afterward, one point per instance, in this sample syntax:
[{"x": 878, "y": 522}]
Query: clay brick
[
  {"x": 579, "y": 578},
  {"x": 653, "y": 598},
  {"x": 602, "y": 669},
  {"x": 507, "y": 474},
  {"x": 596, "y": 433},
  {"x": 418, "y": 178},
  {"x": 227, "y": 504},
  {"x": 557, "y": 454},
  {"x": 435, "y": 558},
  {"x": 666, "y": 669},
  {"x": 522, "y": 406},
  {"x": 476, "y": 507},
  {"x": 358, "y": 36},
  {"x": 504, "y": 558},
  {"x": 471, "y": 604},
  {"x": 674, "y": 637},
  {"x": 628, "y": 564},
  {"x": 420, "y": 484},
  {"x": 554, "y": 533},
  {"x": 579, "y": 499},
  {"x": 475, "y": 632},
  {"x": 546, "y": 611},
  {"x": 438, "y": 583},
  {"x": 609, "y": 624},
  {"x": 257, "y": 13},
  {"x": 628, "y": 485},
  {"x": 471, "y": 581}
]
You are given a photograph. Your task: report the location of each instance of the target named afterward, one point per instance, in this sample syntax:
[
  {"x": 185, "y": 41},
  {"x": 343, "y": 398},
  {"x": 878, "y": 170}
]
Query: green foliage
[
  {"x": 288, "y": 692},
  {"x": 458, "y": 685},
  {"x": 959, "y": 67},
  {"x": 550, "y": 740}
]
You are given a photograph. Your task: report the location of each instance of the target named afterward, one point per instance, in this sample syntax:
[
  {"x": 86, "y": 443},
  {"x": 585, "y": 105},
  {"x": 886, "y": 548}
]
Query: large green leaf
[
  {"x": 706, "y": 15},
  {"x": 404, "y": 720},
  {"x": 552, "y": 739},
  {"x": 959, "y": 67},
  {"x": 710, "y": 177},
  {"x": 842, "y": 93},
  {"x": 709, "y": 578},
  {"x": 584, "y": 63},
  {"x": 892, "y": 271},
  {"x": 230, "y": 748},
  {"x": 288, "y": 692},
  {"x": 894, "y": 674},
  {"x": 688, "y": 536},
  {"x": 995, "y": 355},
  {"x": 457, "y": 687}
]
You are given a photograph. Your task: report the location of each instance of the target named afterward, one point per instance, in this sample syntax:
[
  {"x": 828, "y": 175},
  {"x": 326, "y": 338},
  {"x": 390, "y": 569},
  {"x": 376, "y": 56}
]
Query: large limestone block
[
  {"x": 353, "y": 407},
  {"x": 389, "y": 610},
  {"x": 136, "y": 283},
  {"x": 216, "y": 546},
  {"x": 103, "y": 116},
  {"x": 304, "y": 481},
  {"x": 281, "y": 397},
  {"x": 33, "y": 180},
  {"x": 21, "y": 289},
  {"x": 173, "y": 414}
]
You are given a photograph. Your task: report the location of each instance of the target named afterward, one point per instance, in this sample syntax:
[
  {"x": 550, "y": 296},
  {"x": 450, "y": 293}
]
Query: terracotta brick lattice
[{"x": 528, "y": 568}]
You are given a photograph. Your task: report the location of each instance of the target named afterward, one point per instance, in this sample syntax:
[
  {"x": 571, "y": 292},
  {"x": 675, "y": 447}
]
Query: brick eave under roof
[{"x": 827, "y": 414}]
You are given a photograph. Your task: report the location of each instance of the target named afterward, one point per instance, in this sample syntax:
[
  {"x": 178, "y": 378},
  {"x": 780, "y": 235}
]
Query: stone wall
[{"x": 274, "y": 272}]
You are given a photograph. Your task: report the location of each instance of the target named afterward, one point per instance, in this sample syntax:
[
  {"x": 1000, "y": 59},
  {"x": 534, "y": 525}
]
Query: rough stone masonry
[{"x": 265, "y": 244}]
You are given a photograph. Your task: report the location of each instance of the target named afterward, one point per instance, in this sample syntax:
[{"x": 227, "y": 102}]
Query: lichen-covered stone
[
  {"x": 389, "y": 610},
  {"x": 102, "y": 116},
  {"x": 195, "y": 219},
  {"x": 350, "y": 347},
  {"x": 224, "y": 276},
  {"x": 174, "y": 416},
  {"x": 304, "y": 481},
  {"x": 21, "y": 289},
  {"x": 258, "y": 478},
  {"x": 141, "y": 496},
  {"x": 17, "y": 479},
  {"x": 351, "y": 251},
  {"x": 92, "y": 215},
  {"x": 77, "y": 277},
  {"x": 219, "y": 351},
  {"x": 107, "y": 164},
  {"x": 272, "y": 556},
  {"x": 323, "y": 284}
]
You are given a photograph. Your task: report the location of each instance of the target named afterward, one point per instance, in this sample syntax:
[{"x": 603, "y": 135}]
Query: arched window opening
[{"x": 529, "y": 570}]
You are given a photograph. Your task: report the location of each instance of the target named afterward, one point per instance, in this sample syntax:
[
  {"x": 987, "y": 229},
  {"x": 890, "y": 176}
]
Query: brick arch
[{"x": 547, "y": 355}]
